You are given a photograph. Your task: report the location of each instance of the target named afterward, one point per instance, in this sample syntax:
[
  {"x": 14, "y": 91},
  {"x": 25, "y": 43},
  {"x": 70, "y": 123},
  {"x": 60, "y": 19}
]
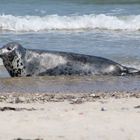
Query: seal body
[{"x": 26, "y": 62}]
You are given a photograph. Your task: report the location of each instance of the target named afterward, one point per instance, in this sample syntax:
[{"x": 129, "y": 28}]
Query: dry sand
[{"x": 70, "y": 117}]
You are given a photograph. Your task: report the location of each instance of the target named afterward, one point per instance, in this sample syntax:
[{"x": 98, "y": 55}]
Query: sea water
[{"x": 109, "y": 28}]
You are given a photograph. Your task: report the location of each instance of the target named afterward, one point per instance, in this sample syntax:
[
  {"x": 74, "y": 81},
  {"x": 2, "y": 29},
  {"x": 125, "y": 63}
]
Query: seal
[{"x": 20, "y": 61}]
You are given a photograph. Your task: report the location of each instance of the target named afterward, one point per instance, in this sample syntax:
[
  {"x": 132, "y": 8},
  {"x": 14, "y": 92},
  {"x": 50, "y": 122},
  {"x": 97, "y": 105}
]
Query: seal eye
[{"x": 9, "y": 48}]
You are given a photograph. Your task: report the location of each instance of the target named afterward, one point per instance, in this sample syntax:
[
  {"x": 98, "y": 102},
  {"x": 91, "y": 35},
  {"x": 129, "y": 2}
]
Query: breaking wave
[{"x": 56, "y": 22}]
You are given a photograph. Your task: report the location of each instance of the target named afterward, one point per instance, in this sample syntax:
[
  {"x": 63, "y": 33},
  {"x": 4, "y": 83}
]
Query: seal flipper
[{"x": 130, "y": 71}]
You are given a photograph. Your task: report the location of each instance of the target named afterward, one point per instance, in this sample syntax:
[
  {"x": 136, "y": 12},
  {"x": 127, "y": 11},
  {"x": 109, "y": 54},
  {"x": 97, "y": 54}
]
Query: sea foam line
[{"x": 56, "y": 22}]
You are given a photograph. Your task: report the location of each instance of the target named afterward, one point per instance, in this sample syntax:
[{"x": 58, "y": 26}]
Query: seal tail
[{"x": 130, "y": 71}]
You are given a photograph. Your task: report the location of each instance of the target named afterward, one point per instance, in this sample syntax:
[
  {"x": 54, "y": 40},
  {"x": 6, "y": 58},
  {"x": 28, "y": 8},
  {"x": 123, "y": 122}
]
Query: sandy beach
[{"x": 70, "y": 116}]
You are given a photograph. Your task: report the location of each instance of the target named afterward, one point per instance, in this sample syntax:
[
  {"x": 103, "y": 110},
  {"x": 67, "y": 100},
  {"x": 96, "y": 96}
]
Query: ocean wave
[{"x": 56, "y": 22}]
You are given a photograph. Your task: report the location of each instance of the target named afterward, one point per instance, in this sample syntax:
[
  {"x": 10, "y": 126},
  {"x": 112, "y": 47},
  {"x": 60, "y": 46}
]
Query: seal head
[{"x": 12, "y": 55}]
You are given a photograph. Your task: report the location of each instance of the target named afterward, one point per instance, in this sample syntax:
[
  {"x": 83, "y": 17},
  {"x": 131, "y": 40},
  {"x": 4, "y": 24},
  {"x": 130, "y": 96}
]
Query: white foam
[{"x": 55, "y": 22}]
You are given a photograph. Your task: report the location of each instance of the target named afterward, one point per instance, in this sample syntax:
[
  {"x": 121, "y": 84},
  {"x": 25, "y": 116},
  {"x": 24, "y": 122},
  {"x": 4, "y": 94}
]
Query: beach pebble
[
  {"x": 10, "y": 100},
  {"x": 103, "y": 109},
  {"x": 28, "y": 139},
  {"x": 124, "y": 108},
  {"x": 81, "y": 113},
  {"x": 76, "y": 101},
  {"x": 92, "y": 95},
  {"x": 20, "y": 99},
  {"x": 138, "y": 106}
]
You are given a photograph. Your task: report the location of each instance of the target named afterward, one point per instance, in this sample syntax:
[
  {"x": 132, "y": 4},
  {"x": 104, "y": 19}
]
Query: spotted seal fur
[{"x": 20, "y": 62}]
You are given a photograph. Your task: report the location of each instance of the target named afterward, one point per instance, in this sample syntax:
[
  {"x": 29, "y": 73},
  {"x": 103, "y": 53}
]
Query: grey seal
[{"x": 20, "y": 61}]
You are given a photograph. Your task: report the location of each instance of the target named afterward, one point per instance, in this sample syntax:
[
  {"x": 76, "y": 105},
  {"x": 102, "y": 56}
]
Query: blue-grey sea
[{"x": 109, "y": 28}]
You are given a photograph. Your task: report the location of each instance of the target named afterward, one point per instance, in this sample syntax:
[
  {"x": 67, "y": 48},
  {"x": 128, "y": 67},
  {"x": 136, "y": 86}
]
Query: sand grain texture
[{"x": 103, "y": 119}]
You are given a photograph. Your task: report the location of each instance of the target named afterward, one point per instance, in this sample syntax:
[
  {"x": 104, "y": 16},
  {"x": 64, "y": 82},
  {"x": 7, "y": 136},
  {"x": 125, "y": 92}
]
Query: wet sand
[
  {"x": 70, "y": 116},
  {"x": 70, "y": 84}
]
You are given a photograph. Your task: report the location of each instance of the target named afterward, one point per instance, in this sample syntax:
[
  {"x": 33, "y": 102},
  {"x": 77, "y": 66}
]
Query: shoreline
[{"x": 75, "y": 98}]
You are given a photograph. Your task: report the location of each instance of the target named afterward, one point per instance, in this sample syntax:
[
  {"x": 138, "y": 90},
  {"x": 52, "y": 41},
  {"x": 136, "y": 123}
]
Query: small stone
[
  {"x": 138, "y": 106},
  {"x": 103, "y": 109},
  {"x": 2, "y": 97},
  {"x": 77, "y": 101},
  {"x": 81, "y": 113},
  {"x": 28, "y": 139},
  {"x": 10, "y": 100},
  {"x": 124, "y": 108},
  {"x": 92, "y": 95},
  {"x": 20, "y": 100}
]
